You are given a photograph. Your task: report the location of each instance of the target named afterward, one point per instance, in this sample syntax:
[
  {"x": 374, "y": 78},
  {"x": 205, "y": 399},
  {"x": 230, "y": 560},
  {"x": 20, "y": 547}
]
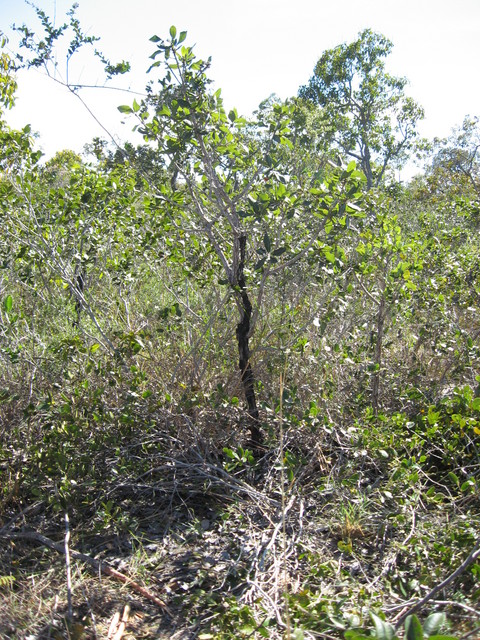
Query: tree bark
[
  {"x": 78, "y": 290},
  {"x": 381, "y": 315},
  {"x": 243, "y": 338}
]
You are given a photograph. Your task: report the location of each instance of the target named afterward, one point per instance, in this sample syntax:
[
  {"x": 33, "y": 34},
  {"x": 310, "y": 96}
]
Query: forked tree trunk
[{"x": 243, "y": 337}]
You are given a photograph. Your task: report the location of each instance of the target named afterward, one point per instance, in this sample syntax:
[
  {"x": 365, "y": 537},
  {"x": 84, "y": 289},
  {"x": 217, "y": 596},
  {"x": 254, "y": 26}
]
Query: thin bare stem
[
  {"x": 470, "y": 559},
  {"x": 68, "y": 567}
]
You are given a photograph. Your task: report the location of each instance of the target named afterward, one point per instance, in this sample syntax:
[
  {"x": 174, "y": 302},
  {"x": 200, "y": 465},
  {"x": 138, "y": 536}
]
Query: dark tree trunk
[
  {"x": 367, "y": 166},
  {"x": 381, "y": 315},
  {"x": 243, "y": 337},
  {"x": 78, "y": 293}
]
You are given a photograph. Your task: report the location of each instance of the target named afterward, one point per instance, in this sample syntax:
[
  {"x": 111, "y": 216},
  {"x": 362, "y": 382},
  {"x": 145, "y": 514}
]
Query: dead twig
[
  {"x": 460, "y": 605},
  {"x": 118, "y": 626},
  {"x": 68, "y": 567},
  {"x": 30, "y": 510},
  {"x": 98, "y": 566}
]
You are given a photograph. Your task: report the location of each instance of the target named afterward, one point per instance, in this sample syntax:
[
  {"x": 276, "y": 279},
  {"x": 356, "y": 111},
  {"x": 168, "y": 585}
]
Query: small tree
[
  {"x": 457, "y": 159},
  {"x": 230, "y": 187}
]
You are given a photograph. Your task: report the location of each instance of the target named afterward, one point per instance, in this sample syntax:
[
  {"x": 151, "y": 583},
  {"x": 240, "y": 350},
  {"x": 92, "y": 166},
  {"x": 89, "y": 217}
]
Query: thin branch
[
  {"x": 68, "y": 567},
  {"x": 471, "y": 558},
  {"x": 460, "y": 605},
  {"x": 77, "y": 87},
  {"x": 208, "y": 229},
  {"x": 298, "y": 255},
  {"x": 367, "y": 292}
]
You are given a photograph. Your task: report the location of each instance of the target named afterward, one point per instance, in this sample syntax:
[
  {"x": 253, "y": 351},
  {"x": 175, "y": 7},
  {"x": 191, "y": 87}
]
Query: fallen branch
[
  {"x": 95, "y": 564},
  {"x": 460, "y": 605},
  {"x": 474, "y": 554},
  {"x": 117, "y": 625}
]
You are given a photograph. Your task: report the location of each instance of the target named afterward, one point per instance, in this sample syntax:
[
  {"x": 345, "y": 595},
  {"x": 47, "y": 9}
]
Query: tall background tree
[{"x": 366, "y": 111}]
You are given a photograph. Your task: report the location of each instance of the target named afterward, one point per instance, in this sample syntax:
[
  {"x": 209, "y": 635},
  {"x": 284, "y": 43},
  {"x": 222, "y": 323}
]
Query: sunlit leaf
[
  {"x": 413, "y": 628},
  {"x": 384, "y": 630},
  {"x": 8, "y": 304},
  {"x": 433, "y": 623}
]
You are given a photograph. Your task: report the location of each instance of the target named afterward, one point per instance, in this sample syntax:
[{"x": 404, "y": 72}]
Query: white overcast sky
[{"x": 258, "y": 47}]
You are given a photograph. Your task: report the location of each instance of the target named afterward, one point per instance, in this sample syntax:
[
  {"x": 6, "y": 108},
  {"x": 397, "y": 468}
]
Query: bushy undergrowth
[{"x": 379, "y": 509}]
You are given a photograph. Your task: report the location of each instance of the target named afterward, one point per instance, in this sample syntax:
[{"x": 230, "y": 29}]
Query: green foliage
[
  {"x": 129, "y": 287},
  {"x": 238, "y": 459},
  {"x": 368, "y": 114},
  {"x": 6, "y": 581},
  {"x": 413, "y": 629},
  {"x": 8, "y": 84},
  {"x": 39, "y": 47},
  {"x": 456, "y": 163}
]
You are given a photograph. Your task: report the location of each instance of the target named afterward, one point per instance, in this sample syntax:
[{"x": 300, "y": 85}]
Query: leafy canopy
[{"x": 370, "y": 118}]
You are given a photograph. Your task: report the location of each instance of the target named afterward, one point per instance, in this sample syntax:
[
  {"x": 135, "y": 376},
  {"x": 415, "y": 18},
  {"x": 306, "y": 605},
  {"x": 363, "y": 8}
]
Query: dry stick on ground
[
  {"x": 68, "y": 567},
  {"x": 95, "y": 564},
  {"x": 460, "y": 605},
  {"x": 469, "y": 634},
  {"x": 474, "y": 554},
  {"x": 117, "y": 625}
]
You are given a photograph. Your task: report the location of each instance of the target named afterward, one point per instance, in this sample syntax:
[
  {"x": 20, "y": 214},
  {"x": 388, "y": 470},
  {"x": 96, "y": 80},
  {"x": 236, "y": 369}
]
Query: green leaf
[
  {"x": 155, "y": 39},
  {"x": 136, "y": 106},
  {"x": 345, "y": 547},
  {"x": 454, "y": 478},
  {"x": 182, "y": 36},
  {"x": 124, "y": 108},
  {"x": 173, "y": 31},
  {"x": 266, "y": 242},
  {"x": 384, "y": 630},
  {"x": 329, "y": 256},
  {"x": 353, "y": 207},
  {"x": 8, "y": 304},
  {"x": 468, "y": 485},
  {"x": 413, "y": 628},
  {"x": 433, "y": 623}
]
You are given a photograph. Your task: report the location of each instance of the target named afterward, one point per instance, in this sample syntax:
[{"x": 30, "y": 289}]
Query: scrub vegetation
[{"x": 240, "y": 361}]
